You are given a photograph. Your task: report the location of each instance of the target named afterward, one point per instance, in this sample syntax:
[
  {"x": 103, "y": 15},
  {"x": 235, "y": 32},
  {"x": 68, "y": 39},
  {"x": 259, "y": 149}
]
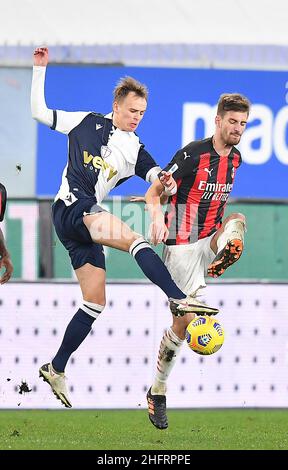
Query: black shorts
[{"x": 73, "y": 233}]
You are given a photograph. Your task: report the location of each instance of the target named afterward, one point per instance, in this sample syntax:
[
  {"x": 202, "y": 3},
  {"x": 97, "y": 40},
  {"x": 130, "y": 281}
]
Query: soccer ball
[{"x": 204, "y": 335}]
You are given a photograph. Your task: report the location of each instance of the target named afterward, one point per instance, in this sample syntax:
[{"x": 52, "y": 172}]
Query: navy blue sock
[
  {"x": 154, "y": 268},
  {"x": 76, "y": 331}
]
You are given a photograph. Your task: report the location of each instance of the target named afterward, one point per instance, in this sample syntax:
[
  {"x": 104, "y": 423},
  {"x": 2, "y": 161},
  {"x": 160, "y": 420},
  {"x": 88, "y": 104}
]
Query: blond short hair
[{"x": 127, "y": 85}]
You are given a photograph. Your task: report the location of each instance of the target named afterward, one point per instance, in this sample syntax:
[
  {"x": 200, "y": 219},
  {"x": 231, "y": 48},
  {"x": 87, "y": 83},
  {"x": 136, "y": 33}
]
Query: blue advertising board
[{"x": 181, "y": 108}]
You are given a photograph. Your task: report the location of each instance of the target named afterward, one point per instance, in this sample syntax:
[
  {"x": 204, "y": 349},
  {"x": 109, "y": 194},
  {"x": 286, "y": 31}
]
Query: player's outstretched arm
[
  {"x": 39, "y": 109},
  {"x": 61, "y": 121}
]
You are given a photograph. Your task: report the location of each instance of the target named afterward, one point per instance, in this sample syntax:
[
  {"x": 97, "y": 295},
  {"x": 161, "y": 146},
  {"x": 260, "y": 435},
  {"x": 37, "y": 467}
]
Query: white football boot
[
  {"x": 56, "y": 380},
  {"x": 190, "y": 304}
]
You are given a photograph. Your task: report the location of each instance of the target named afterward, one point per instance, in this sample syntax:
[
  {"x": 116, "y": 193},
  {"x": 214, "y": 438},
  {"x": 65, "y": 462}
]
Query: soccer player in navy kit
[
  {"x": 103, "y": 152},
  {"x": 5, "y": 260},
  {"x": 197, "y": 241}
]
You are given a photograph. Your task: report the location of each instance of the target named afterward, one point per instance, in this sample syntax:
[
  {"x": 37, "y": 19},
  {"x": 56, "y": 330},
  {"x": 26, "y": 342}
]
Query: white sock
[
  {"x": 168, "y": 351},
  {"x": 91, "y": 308},
  {"x": 234, "y": 229}
]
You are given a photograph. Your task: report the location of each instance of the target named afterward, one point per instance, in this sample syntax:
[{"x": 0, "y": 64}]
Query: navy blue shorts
[{"x": 73, "y": 233}]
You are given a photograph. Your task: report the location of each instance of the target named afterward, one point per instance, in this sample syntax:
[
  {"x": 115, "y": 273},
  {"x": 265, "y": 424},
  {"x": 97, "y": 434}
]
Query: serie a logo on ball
[{"x": 205, "y": 335}]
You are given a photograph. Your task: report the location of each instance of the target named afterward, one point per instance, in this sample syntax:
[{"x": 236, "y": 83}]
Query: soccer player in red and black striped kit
[
  {"x": 5, "y": 260},
  {"x": 197, "y": 240}
]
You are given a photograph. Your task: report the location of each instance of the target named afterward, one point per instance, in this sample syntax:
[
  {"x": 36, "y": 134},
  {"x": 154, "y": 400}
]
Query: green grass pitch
[{"x": 123, "y": 429}]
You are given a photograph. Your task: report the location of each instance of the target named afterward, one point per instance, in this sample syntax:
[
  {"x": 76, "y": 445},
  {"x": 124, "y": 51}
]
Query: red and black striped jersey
[{"x": 204, "y": 180}]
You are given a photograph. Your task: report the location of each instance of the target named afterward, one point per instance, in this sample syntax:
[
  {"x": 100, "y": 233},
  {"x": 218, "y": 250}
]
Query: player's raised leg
[
  {"x": 228, "y": 244},
  {"x": 108, "y": 230}
]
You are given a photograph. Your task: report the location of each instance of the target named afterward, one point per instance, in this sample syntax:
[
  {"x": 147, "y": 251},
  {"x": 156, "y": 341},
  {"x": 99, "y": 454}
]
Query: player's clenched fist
[{"x": 41, "y": 56}]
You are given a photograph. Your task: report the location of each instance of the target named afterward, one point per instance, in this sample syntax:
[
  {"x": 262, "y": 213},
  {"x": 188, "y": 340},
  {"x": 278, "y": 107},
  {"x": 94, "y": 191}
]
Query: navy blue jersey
[{"x": 100, "y": 157}]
